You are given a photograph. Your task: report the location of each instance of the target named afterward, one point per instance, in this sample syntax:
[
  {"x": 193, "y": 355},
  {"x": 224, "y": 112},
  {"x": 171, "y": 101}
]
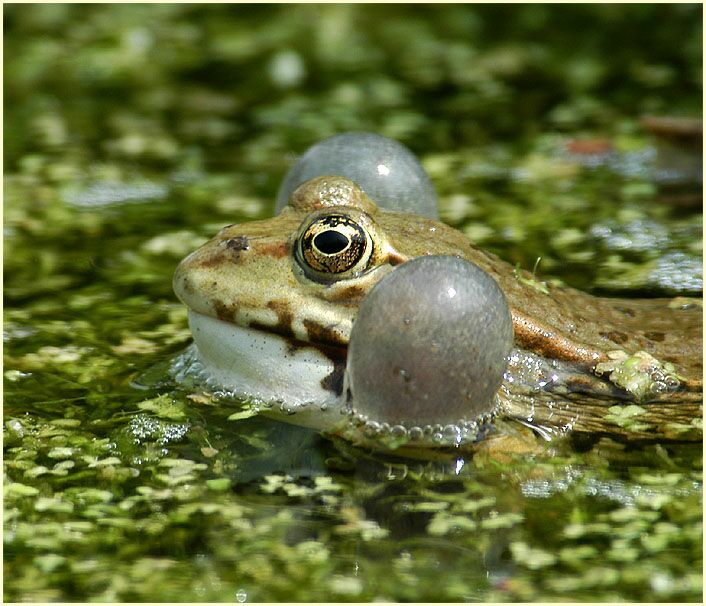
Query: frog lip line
[
  {"x": 261, "y": 366},
  {"x": 321, "y": 323}
]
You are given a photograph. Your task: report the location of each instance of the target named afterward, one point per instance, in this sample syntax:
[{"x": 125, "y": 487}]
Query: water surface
[{"x": 134, "y": 132}]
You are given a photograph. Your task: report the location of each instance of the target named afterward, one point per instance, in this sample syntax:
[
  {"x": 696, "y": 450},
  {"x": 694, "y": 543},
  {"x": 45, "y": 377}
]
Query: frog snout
[{"x": 182, "y": 284}]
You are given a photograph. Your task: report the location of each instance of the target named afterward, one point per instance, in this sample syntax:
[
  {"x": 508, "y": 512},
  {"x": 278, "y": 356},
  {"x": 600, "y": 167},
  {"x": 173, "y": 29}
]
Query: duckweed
[{"x": 134, "y": 132}]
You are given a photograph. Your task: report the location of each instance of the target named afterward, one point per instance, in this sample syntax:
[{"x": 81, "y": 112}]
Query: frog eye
[{"x": 334, "y": 246}]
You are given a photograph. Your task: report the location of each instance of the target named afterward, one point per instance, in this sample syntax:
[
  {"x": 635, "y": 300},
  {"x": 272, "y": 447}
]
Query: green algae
[
  {"x": 641, "y": 375},
  {"x": 134, "y": 132}
]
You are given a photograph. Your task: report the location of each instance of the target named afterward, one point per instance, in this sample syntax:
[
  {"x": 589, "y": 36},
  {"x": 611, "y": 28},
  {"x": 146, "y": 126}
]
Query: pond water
[{"x": 134, "y": 132}]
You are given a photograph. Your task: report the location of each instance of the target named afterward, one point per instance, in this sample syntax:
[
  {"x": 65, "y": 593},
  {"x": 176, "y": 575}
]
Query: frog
[{"x": 295, "y": 314}]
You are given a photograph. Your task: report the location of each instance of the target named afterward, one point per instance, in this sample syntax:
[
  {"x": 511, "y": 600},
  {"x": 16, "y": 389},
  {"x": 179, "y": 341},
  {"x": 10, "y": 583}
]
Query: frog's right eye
[{"x": 333, "y": 247}]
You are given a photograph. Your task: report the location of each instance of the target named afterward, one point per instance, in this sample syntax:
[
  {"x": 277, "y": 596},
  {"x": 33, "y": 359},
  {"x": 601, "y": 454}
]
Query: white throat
[{"x": 269, "y": 369}]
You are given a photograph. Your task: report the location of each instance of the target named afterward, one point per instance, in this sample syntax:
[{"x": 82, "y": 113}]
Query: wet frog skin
[{"x": 575, "y": 355}]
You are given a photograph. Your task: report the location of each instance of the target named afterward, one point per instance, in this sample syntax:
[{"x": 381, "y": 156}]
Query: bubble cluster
[
  {"x": 451, "y": 434},
  {"x": 187, "y": 369},
  {"x": 663, "y": 381}
]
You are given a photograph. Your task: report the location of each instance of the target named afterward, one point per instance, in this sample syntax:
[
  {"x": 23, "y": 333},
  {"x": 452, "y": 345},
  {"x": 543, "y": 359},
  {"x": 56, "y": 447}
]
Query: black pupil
[{"x": 330, "y": 242}]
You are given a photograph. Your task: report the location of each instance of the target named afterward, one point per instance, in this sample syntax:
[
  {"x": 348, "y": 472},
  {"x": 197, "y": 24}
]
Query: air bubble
[
  {"x": 288, "y": 409},
  {"x": 416, "y": 433},
  {"x": 372, "y": 429},
  {"x": 398, "y": 431},
  {"x": 452, "y": 431},
  {"x": 658, "y": 387}
]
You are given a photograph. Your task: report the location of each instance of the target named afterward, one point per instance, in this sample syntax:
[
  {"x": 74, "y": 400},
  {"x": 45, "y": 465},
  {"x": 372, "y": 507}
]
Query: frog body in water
[{"x": 272, "y": 321}]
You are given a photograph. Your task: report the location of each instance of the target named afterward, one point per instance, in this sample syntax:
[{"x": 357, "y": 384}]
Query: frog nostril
[
  {"x": 331, "y": 242},
  {"x": 238, "y": 243}
]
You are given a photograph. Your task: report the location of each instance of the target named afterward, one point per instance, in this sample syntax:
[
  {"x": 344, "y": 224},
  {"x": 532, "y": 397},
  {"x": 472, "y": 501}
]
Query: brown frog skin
[{"x": 248, "y": 275}]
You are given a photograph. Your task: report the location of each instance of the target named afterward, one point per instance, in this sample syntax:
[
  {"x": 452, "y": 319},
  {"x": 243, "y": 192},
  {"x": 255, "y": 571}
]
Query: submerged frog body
[{"x": 273, "y": 304}]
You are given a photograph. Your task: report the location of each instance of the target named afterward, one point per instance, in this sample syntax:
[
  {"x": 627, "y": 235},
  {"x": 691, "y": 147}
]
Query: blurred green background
[{"x": 273, "y": 78}]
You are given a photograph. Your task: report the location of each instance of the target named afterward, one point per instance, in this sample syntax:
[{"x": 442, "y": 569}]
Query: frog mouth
[
  {"x": 290, "y": 377},
  {"x": 291, "y": 381}
]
